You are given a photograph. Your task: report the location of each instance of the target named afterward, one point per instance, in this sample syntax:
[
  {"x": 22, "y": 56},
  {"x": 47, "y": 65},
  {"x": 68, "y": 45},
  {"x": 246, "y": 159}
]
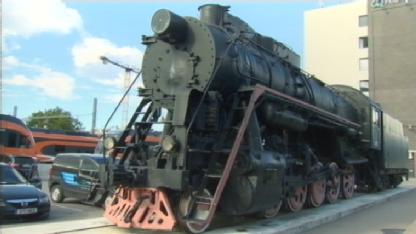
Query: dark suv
[
  {"x": 27, "y": 166},
  {"x": 80, "y": 176}
]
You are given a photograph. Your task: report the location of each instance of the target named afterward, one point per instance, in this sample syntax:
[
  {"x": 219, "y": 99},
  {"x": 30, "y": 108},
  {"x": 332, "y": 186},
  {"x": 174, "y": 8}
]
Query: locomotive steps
[{"x": 286, "y": 223}]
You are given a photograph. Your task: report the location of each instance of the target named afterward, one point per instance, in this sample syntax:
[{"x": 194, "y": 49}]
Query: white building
[{"x": 336, "y": 43}]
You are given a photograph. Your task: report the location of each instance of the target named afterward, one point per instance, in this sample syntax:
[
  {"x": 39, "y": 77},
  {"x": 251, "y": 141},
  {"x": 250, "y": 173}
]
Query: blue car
[
  {"x": 18, "y": 198},
  {"x": 80, "y": 176}
]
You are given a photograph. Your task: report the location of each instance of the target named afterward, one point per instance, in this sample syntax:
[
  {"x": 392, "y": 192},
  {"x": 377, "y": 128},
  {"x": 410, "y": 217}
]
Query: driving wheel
[
  {"x": 347, "y": 182},
  {"x": 316, "y": 195},
  {"x": 193, "y": 220},
  {"x": 333, "y": 184},
  {"x": 297, "y": 200}
]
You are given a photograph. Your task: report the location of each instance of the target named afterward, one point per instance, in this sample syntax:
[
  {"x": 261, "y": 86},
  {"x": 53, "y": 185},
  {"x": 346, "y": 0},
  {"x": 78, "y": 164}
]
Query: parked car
[
  {"x": 26, "y": 165},
  {"x": 18, "y": 198},
  {"x": 80, "y": 176}
]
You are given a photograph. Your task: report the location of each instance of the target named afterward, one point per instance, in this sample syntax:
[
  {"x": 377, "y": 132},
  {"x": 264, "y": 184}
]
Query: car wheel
[{"x": 57, "y": 194}]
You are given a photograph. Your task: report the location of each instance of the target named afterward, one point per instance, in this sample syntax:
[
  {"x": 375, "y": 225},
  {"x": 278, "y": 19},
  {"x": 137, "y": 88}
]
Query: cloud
[
  {"x": 46, "y": 81},
  {"x": 27, "y": 18},
  {"x": 49, "y": 83},
  {"x": 86, "y": 58},
  {"x": 115, "y": 99},
  {"x": 116, "y": 82},
  {"x": 10, "y": 62},
  {"x": 88, "y": 52}
]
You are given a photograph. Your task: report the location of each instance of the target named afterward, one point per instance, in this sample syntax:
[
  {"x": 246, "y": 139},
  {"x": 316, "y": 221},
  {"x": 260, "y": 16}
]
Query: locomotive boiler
[{"x": 245, "y": 130}]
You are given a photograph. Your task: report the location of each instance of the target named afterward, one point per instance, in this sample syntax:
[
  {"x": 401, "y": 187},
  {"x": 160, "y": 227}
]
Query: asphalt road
[
  {"x": 392, "y": 217},
  {"x": 70, "y": 209}
]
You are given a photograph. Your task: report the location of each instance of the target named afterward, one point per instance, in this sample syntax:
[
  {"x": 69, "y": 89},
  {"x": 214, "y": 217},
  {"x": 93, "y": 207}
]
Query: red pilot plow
[{"x": 144, "y": 208}]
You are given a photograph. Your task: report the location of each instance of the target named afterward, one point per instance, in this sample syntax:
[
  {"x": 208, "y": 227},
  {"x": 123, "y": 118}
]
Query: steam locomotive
[{"x": 245, "y": 130}]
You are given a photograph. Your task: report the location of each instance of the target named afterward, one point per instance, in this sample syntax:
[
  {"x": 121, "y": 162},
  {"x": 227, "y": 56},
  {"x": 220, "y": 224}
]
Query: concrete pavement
[
  {"x": 392, "y": 217},
  {"x": 285, "y": 223},
  {"x": 411, "y": 229}
]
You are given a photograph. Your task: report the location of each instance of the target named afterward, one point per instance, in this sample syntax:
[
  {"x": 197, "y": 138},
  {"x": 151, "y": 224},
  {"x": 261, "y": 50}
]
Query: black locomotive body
[{"x": 245, "y": 129}]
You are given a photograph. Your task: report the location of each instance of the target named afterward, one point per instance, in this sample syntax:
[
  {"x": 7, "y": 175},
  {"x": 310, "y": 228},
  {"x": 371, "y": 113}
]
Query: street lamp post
[{"x": 126, "y": 83}]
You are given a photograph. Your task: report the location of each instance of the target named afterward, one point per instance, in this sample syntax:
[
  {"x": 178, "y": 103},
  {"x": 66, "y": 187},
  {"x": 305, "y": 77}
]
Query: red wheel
[
  {"x": 348, "y": 183},
  {"x": 197, "y": 226},
  {"x": 297, "y": 200},
  {"x": 316, "y": 195},
  {"x": 333, "y": 185},
  {"x": 272, "y": 212},
  {"x": 195, "y": 221}
]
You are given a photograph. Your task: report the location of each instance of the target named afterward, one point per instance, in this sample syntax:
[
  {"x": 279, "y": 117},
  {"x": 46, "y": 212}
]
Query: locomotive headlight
[
  {"x": 161, "y": 21},
  {"x": 168, "y": 144},
  {"x": 109, "y": 143},
  {"x": 169, "y": 26}
]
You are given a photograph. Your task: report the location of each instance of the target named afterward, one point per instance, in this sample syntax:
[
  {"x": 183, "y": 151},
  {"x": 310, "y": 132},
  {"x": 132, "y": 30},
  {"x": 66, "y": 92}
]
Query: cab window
[
  {"x": 13, "y": 139},
  {"x": 24, "y": 160},
  {"x": 57, "y": 149},
  {"x": 2, "y": 136},
  {"x": 88, "y": 165},
  {"x": 66, "y": 161},
  {"x": 376, "y": 117},
  {"x": 89, "y": 169},
  {"x": 375, "y": 128},
  {"x": 5, "y": 159}
]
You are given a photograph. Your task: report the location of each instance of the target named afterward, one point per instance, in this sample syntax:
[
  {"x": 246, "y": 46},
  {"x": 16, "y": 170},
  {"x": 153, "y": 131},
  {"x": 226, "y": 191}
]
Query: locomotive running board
[
  {"x": 144, "y": 208},
  {"x": 257, "y": 92},
  {"x": 305, "y": 105}
]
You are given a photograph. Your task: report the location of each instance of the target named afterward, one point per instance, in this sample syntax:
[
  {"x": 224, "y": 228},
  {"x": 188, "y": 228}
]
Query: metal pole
[
  {"x": 414, "y": 163},
  {"x": 128, "y": 70},
  {"x": 15, "y": 111},
  {"x": 94, "y": 115},
  {"x": 125, "y": 114}
]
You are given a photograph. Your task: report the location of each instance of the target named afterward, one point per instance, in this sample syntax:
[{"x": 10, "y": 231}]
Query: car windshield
[{"x": 9, "y": 175}]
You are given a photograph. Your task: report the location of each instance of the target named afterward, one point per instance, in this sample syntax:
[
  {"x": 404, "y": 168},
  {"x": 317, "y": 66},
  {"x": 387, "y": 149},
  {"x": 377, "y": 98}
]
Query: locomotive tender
[{"x": 245, "y": 130}]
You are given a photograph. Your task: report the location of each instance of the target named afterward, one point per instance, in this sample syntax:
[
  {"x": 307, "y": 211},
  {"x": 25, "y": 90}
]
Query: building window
[
  {"x": 363, "y": 20},
  {"x": 363, "y": 84},
  {"x": 363, "y": 42},
  {"x": 412, "y": 155},
  {"x": 363, "y": 64}
]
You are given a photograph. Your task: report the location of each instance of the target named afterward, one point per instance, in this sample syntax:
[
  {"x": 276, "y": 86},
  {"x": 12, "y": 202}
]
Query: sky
[{"x": 51, "y": 48}]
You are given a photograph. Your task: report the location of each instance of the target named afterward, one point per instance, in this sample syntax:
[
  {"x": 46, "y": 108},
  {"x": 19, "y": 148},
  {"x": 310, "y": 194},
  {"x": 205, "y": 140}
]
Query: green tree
[{"x": 54, "y": 119}]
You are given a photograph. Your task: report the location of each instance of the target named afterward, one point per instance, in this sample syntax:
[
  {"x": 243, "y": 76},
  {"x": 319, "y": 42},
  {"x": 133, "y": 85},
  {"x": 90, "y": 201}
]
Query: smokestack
[{"x": 213, "y": 14}]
